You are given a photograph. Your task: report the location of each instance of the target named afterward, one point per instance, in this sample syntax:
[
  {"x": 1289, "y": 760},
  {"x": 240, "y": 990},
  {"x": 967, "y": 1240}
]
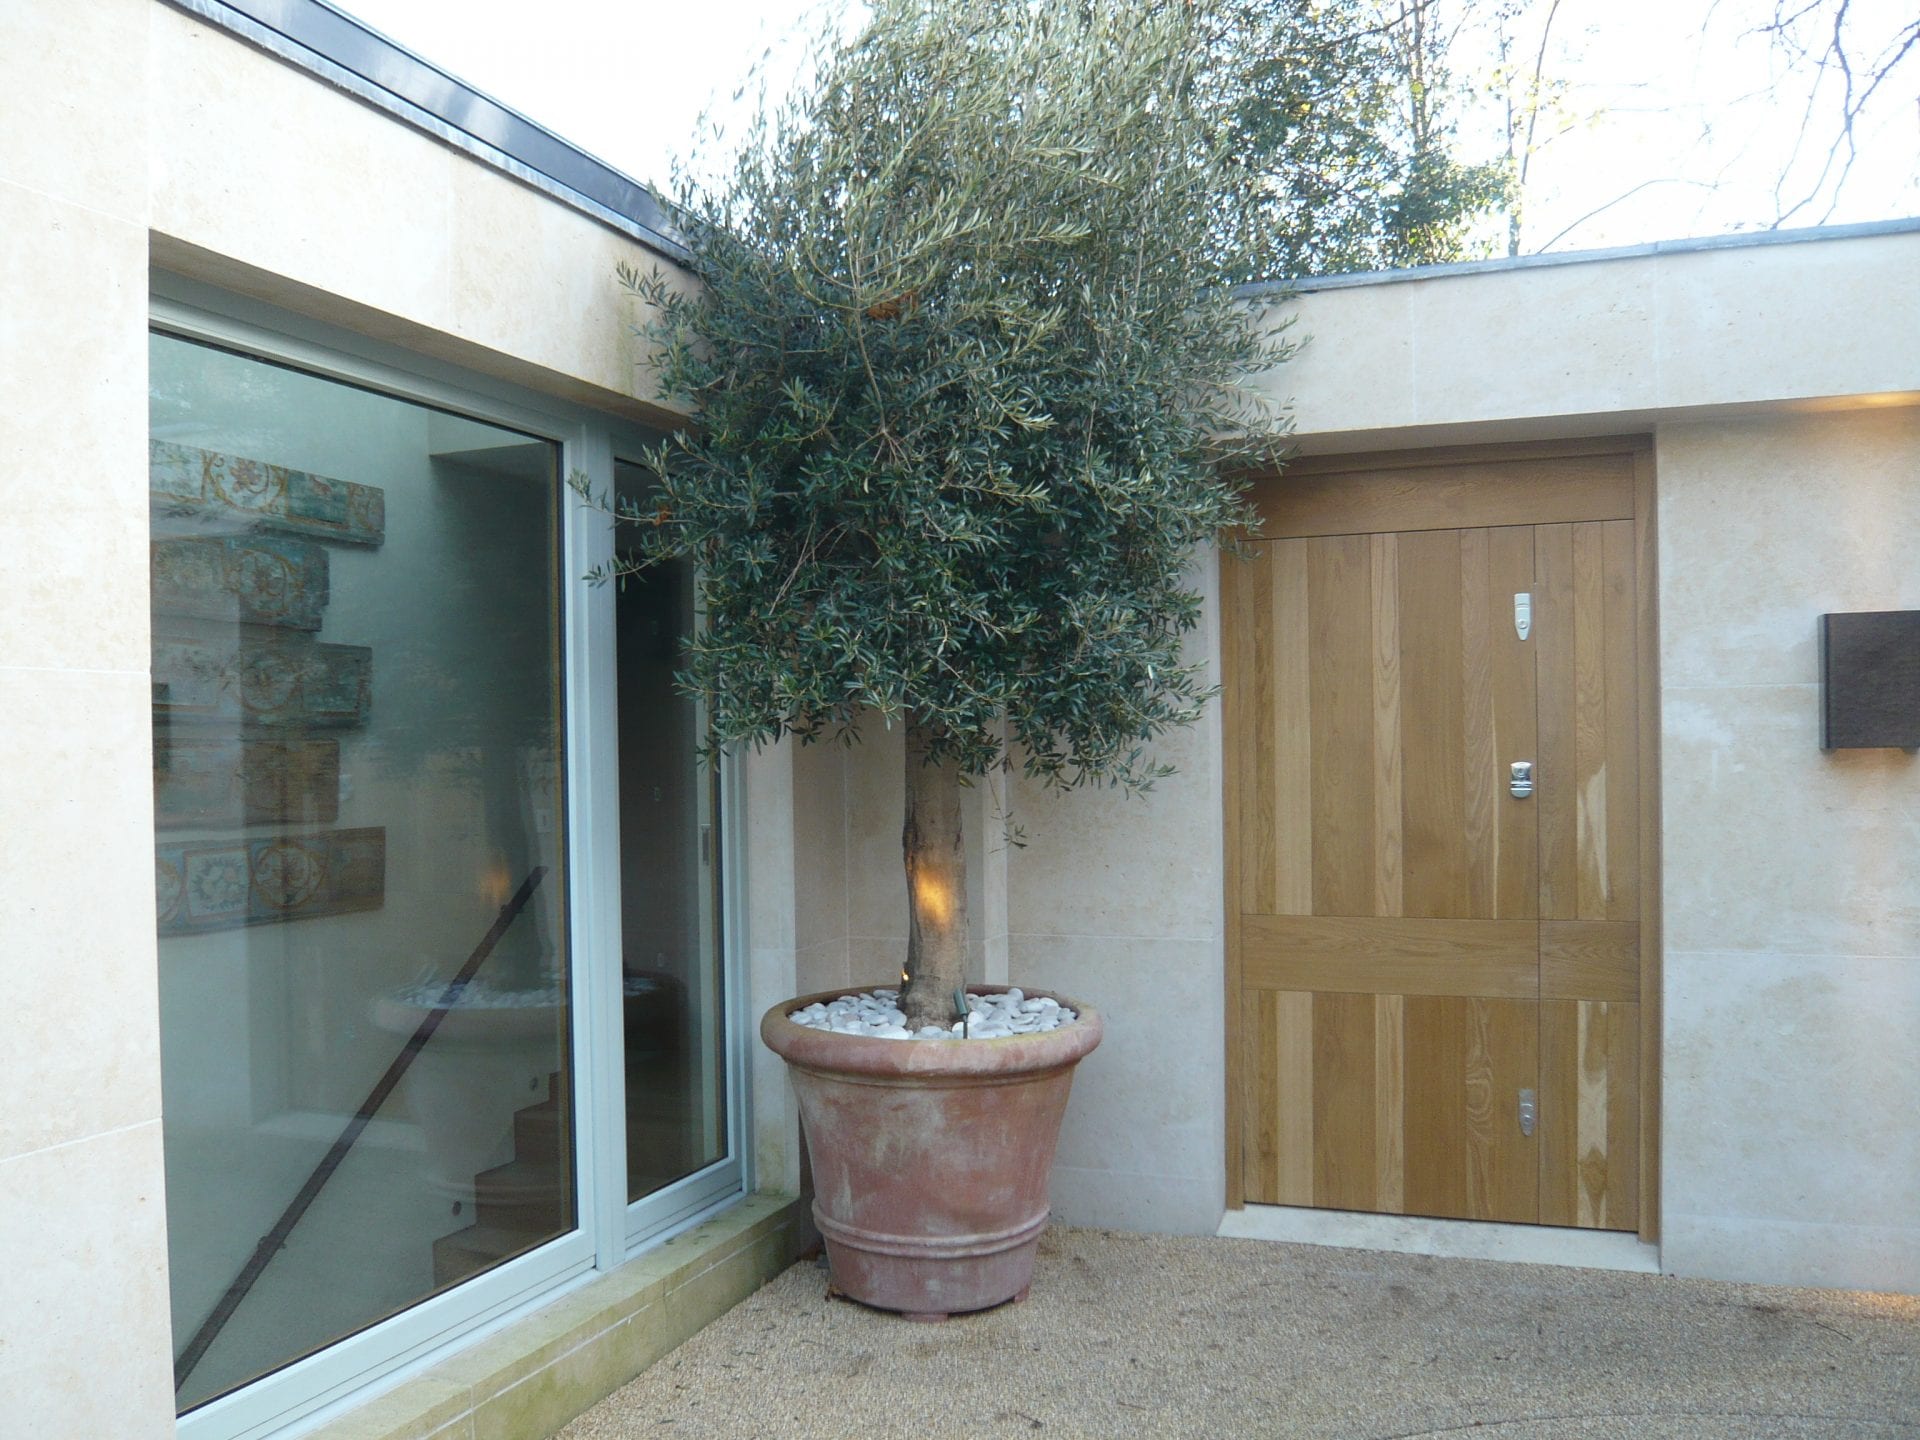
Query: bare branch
[{"x": 1623, "y": 195}]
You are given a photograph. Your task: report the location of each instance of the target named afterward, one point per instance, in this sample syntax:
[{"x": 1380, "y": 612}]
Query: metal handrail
[{"x": 275, "y": 1239}]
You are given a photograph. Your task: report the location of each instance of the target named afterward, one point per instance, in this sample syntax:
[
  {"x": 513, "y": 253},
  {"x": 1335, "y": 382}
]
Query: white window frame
[{"x": 610, "y": 1230}]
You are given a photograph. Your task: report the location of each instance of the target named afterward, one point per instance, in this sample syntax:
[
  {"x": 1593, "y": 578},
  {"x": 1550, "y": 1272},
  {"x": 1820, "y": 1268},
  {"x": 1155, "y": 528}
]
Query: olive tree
[{"x": 969, "y": 393}]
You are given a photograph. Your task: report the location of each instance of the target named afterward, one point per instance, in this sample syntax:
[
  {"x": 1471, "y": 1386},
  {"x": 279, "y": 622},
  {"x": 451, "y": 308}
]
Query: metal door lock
[
  {"x": 1521, "y": 782},
  {"x": 1527, "y": 1112}
]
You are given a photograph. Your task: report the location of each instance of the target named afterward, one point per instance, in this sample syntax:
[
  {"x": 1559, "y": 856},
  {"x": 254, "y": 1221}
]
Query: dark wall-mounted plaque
[
  {"x": 1870, "y": 680},
  {"x": 219, "y": 884}
]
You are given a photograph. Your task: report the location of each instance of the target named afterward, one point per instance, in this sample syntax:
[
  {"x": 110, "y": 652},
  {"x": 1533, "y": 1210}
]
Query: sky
[{"x": 1675, "y": 117}]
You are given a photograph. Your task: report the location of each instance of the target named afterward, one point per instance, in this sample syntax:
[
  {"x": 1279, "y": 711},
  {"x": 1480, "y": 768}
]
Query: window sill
[{"x": 538, "y": 1372}]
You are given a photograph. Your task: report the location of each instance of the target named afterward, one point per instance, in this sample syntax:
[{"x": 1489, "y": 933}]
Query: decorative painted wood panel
[
  {"x": 293, "y": 682},
  {"x": 225, "y": 781},
  {"x": 246, "y": 579},
  {"x": 235, "y": 492},
  {"x": 220, "y": 884}
]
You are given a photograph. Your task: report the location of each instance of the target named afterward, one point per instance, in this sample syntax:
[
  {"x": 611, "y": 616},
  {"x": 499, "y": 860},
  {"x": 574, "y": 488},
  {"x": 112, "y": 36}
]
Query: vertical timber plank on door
[
  {"x": 1340, "y": 730},
  {"x": 1388, "y": 843},
  {"x": 1436, "y": 883},
  {"x": 1292, "y": 715},
  {"x": 1344, "y": 1103},
  {"x": 1236, "y": 641},
  {"x": 1515, "y": 724},
  {"x": 1589, "y": 1113}
]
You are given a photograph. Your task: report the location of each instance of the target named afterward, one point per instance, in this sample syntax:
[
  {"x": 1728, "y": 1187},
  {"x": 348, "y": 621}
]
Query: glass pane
[
  {"x": 360, "y": 875},
  {"x": 669, "y": 848}
]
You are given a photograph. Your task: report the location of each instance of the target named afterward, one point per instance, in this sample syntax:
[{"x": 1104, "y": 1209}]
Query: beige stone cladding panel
[
  {"x": 1565, "y": 347},
  {"x": 1792, "y": 1157},
  {"x": 820, "y": 846},
  {"x": 1767, "y": 522},
  {"x": 256, "y": 162},
  {"x": 768, "y": 860},
  {"x": 73, "y": 83},
  {"x": 1778, "y": 322},
  {"x": 1098, "y": 861},
  {"x": 83, "y": 1310},
  {"x": 1354, "y": 365},
  {"x": 1773, "y": 847},
  {"x": 278, "y": 184},
  {"x": 1558, "y": 340},
  {"x": 1792, "y": 904},
  {"x": 876, "y": 873},
  {"x": 1140, "y": 1147},
  {"x": 83, "y": 1246},
  {"x": 73, "y": 444},
  {"x": 1118, "y": 900},
  {"x": 78, "y": 1032}
]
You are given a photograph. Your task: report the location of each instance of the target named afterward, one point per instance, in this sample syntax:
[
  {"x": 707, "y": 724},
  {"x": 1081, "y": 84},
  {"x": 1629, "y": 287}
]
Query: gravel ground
[{"x": 1183, "y": 1336}]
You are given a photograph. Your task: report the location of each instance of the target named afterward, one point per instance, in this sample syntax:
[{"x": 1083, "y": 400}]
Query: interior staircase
[{"x": 518, "y": 1205}]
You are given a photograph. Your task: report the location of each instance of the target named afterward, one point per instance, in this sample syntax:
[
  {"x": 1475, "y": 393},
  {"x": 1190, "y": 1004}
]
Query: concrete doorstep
[{"x": 1196, "y": 1336}]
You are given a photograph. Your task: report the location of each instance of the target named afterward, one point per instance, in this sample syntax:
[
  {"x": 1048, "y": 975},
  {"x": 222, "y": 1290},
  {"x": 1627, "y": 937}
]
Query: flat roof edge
[
  {"x": 1737, "y": 241},
  {"x": 311, "y": 35}
]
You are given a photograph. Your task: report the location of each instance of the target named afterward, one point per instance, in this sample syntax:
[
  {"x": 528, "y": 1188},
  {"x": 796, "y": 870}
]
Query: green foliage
[
  {"x": 1344, "y": 114},
  {"x": 969, "y": 378}
]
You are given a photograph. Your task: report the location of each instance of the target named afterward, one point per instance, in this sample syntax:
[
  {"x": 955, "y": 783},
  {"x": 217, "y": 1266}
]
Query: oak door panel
[
  {"x": 1330, "y": 497},
  {"x": 1340, "y": 695},
  {"x": 1436, "y": 882},
  {"x": 1379, "y": 694},
  {"x": 1589, "y": 960},
  {"x": 1588, "y": 774},
  {"x": 1467, "y": 1060},
  {"x": 1325, "y": 1100},
  {"x": 1495, "y": 958},
  {"x": 1589, "y": 1114},
  {"x": 1417, "y": 950}
]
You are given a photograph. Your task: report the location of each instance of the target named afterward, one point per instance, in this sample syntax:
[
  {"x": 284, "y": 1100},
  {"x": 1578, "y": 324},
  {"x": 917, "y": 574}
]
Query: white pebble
[{"x": 877, "y": 1015}]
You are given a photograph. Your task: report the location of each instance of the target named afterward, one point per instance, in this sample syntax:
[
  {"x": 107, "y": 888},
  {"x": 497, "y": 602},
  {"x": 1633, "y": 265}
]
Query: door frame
[{"x": 1639, "y": 448}]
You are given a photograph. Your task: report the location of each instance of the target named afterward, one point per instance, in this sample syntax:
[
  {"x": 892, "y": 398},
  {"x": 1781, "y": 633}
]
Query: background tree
[
  {"x": 1345, "y": 114},
  {"x": 968, "y": 374}
]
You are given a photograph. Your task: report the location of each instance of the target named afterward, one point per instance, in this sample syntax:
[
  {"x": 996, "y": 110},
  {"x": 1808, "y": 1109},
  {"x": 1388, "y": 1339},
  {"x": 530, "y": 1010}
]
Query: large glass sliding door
[
  {"x": 438, "y": 866},
  {"x": 360, "y": 863}
]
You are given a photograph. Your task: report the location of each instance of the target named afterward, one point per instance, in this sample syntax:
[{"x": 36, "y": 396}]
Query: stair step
[
  {"x": 524, "y": 1195},
  {"x": 540, "y": 1133},
  {"x": 466, "y": 1252}
]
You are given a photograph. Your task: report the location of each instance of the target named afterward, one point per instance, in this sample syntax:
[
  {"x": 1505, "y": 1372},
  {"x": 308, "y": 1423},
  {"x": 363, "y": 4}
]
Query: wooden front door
[{"x": 1437, "y": 982}]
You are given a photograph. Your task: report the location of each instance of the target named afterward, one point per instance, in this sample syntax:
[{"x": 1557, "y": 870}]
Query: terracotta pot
[{"x": 931, "y": 1157}]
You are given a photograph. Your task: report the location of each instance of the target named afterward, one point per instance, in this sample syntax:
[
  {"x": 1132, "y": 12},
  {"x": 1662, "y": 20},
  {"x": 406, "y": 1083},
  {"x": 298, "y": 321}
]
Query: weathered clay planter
[{"x": 930, "y": 1157}]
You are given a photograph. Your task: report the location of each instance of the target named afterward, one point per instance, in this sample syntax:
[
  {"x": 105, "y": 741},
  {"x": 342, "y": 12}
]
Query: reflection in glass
[
  {"x": 668, "y": 887},
  {"x": 357, "y": 762}
]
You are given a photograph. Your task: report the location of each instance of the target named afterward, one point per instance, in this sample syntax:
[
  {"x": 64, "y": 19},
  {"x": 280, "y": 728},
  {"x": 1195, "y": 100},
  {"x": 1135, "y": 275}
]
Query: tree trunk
[{"x": 936, "y": 886}]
